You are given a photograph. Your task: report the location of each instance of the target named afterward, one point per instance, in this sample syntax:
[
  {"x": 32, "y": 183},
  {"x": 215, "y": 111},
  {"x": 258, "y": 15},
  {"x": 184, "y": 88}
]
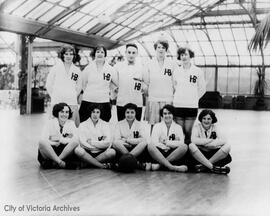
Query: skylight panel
[
  {"x": 89, "y": 25},
  {"x": 26, "y": 7},
  {"x": 67, "y": 3},
  {"x": 37, "y": 12},
  {"x": 12, "y": 5},
  {"x": 52, "y": 13}
]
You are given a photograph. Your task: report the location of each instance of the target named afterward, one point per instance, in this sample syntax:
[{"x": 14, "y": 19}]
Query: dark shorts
[
  {"x": 48, "y": 163},
  {"x": 143, "y": 157},
  {"x": 181, "y": 161},
  {"x": 186, "y": 112},
  {"x": 208, "y": 154},
  {"x": 94, "y": 155},
  {"x": 121, "y": 113},
  {"x": 105, "y": 109}
]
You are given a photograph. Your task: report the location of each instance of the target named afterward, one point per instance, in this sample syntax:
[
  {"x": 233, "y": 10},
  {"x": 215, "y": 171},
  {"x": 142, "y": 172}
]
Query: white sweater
[
  {"x": 189, "y": 87},
  {"x": 160, "y": 80},
  {"x": 129, "y": 84},
  {"x": 96, "y": 84},
  {"x": 99, "y": 134},
  {"x": 64, "y": 86}
]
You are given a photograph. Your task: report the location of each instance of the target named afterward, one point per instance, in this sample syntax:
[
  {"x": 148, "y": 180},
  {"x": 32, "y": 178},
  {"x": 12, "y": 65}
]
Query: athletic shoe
[
  {"x": 201, "y": 168},
  {"x": 221, "y": 170}
]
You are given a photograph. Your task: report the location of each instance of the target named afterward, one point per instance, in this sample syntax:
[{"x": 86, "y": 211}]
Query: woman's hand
[{"x": 54, "y": 138}]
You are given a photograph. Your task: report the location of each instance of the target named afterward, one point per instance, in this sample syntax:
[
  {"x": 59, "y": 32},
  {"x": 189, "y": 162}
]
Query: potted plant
[
  {"x": 259, "y": 89},
  {"x": 260, "y": 41}
]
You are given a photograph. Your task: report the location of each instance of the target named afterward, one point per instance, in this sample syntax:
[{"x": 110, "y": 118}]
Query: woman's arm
[
  {"x": 201, "y": 84},
  {"x": 50, "y": 81},
  {"x": 197, "y": 139}
]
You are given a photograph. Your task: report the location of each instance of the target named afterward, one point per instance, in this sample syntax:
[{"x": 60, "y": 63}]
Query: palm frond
[{"x": 262, "y": 34}]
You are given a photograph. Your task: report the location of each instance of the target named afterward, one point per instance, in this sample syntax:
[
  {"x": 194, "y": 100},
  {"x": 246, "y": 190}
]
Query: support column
[
  {"x": 30, "y": 40},
  {"x": 216, "y": 78}
]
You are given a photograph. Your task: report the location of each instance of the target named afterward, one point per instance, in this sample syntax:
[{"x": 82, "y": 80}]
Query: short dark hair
[
  {"x": 130, "y": 106},
  {"x": 182, "y": 50},
  {"x": 59, "y": 107},
  {"x": 66, "y": 48},
  {"x": 131, "y": 45},
  {"x": 94, "y": 106},
  {"x": 168, "y": 107},
  {"x": 205, "y": 112},
  {"x": 98, "y": 47},
  {"x": 164, "y": 43}
]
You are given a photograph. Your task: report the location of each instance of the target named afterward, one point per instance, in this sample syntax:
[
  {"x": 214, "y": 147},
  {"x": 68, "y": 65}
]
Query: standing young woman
[
  {"x": 208, "y": 147},
  {"x": 95, "y": 140},
  {"x": 59, "y": 139},
  {"x": 64, "y": 82},
  {"x": 97, "y": 79},
  {"x": 159, "y": 79},
  {"x": 189, "y": 87}
]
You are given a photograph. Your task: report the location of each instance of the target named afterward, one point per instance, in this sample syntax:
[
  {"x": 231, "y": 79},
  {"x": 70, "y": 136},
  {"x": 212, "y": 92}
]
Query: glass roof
[{"x": 218, "y": 31}]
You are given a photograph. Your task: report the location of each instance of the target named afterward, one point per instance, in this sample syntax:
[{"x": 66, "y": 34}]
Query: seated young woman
[
  {"x": 95, "y": 140},
  {"x": 59, "y": 139},
  {"x": 208, "y": 146},
  {"x": 167, "y": 142},
  {"x": 130, "y": 136}
]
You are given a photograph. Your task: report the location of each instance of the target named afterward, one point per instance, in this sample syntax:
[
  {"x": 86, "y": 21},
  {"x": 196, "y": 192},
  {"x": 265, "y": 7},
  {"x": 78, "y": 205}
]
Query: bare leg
[
  {"x": 69, "y": 149},
  {"x": 178, "y": 153},
  {"x": 48, "y": 152},
  {"x": 180, "y": 121},
  {"x": 196, "y": 153},
  {"x": 156, "y": 154},
  {"x": 81, "y": 153},
  {"x": 120, "y": 147},
  {"x": 220, "y": 154},
  {"x": 106, "y": 156},
  {"x": 139, "y": 148},
  {"x": 188, "y": 128}
]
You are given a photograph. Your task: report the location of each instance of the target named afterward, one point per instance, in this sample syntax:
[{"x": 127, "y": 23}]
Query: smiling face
[
  {"x": 207, "y": 121},
  {"x": 160, "y": 50},
  {"x": 131, "y": 54},
  {"x": 185, "y": 57},
  {"x": 130, "y": 114},
  {"x": 100, "y": 54},
  {"x": 95, "y": 115},
  {"x": 63, "y": 114},
  {"x": 68, "y": 56},
  {"x": 167, "y": 116}
]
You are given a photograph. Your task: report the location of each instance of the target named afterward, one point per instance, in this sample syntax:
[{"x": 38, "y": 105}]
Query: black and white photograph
[{"x": 134, "y": 107}]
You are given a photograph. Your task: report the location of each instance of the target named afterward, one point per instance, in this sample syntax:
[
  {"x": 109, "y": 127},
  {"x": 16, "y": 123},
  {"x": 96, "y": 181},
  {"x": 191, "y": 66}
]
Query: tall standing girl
[{"x": 189, "y": 87}]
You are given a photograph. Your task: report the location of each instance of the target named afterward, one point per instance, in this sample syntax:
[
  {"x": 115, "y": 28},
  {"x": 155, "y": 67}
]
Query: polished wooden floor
[{"x": 245, "y": 191}]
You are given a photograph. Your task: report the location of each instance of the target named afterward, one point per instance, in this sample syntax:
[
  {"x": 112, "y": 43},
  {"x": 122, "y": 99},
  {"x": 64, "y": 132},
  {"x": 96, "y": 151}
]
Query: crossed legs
[
  {"x": 98, "y": 161},
  {"x": 209, "y": 163},
  {"x": 177, "y": 154}
]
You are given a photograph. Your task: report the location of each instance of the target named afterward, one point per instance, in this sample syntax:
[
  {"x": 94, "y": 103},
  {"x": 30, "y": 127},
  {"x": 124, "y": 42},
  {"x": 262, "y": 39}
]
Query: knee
[
  {"x": 143, "y": 144},
  {"x": 151, "y": 146},
  {"x": 192, "y": 148},
  {"x": 185, "y": 147},
  {"x": 226, "y": 148},
  {"x": 42, "y": 144},
  {"x": 79, "y": 151},
  {"x": 110, "y": 153},
  {"x": 74, "y": 143},
  {"x": 117, "y": 143}
]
